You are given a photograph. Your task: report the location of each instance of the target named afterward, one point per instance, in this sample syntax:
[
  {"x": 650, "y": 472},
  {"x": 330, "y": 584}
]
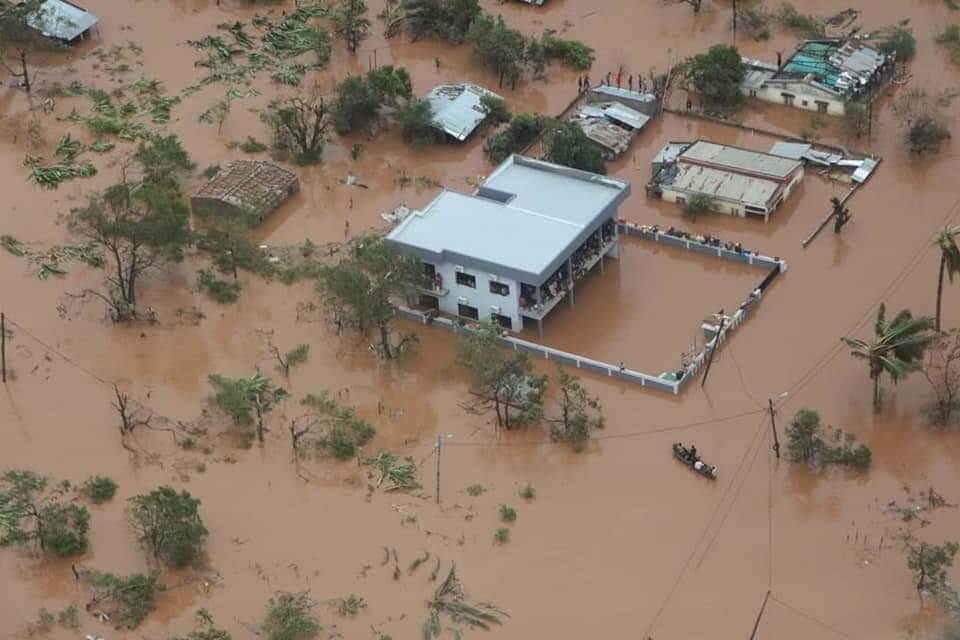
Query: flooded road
[{"x": 621, "y": 541}]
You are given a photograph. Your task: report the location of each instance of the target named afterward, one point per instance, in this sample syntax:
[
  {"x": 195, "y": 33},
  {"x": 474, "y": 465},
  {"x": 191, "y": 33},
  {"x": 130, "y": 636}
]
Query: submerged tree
[
  {"x": 498, "y": 46},
  {"x": 246, "y": 400},
  {"x": 942, "y": 371},
  {"x": 358, "y": 291},
  {"x": 517, "y": 136},
  {"x": 350, "y": 22},
  {"x": 299, "y": 126},
  {"x": 31, "y": 513},
  {"x": 140, "y": 223},
  {"x": 503, "y": 380},
  {"x": 716, "y": 76},
  {"x": 930, "y": 564},
  {"x": 946, "y": 241},
  {"x": 896, "y": 349},
  {"x": 567, "y": 144},
  {"x": 415, "y": 118},
  {"x": 329, "y": 427},
  {"x": 447, "y": 19},
  {"x": 808, "y": 442},
  {"x": 168, "y": 524},
  {"x": 19, "y": 37},
  {"x": 578, "y": 415},
  {"x": 921, "y": 112},
  {"x": 127, "y": 599},
  {"x": 359, "y": 100},
  {"x": 290, "y": 617}
]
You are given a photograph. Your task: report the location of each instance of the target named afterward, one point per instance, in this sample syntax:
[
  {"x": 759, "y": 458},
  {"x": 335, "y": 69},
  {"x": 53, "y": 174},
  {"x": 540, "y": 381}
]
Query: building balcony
[
  {"x": 539, "y": 312},
  {"x": 433, "y": 290}
]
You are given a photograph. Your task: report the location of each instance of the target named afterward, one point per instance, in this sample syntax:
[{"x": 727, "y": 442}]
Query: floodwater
[{"x": 620, "y": 541}]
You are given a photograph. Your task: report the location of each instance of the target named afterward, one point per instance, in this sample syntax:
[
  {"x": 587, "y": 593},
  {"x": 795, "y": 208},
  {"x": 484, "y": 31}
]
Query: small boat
[{"x": 684, "y": 455}]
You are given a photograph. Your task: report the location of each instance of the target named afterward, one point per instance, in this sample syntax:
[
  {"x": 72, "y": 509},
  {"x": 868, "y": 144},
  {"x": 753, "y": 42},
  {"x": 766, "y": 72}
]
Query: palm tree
[
  {"x": 949, "y": 261},
  {"x": 896, "y": 349}
]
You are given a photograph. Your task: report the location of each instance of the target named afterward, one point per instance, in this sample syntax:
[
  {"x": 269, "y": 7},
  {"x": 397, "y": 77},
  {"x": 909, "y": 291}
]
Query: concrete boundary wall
[{"x": 772, "y": 267}]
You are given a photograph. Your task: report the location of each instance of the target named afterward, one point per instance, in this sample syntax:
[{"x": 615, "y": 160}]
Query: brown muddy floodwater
[{"x": 620, "y": 540}]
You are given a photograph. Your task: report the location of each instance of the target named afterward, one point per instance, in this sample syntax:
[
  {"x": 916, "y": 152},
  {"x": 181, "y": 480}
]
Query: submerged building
[
  {"x": 736, "y": 181},
  {"x": 250, "y": 190},
  {"x": 610, "y": 126},
  {"x": 821, "y": 76},
  {"x": 458, "y": 108},
  {"x": 64, "y": 21},
  {"x": 516, "y": 247}
]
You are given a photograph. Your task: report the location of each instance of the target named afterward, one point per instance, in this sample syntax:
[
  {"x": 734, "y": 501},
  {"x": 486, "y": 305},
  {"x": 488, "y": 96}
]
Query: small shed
[
  {"x": 63, "y": 21},
  {"x": 250, "y": 189}
]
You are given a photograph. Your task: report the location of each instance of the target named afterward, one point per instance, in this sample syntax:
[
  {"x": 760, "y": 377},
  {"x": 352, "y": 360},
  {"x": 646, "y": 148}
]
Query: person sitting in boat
[{"x": 693, "y": 453}]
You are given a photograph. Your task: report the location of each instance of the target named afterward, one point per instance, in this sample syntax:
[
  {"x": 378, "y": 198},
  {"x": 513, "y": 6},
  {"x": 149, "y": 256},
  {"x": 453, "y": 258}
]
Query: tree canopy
[
  {"x": 350, "y": 22},
  {"x": 140, "y": 223},
  {"x": 502, "y": 380},
  {"x": 168, "y": 524},
  {"x": 18, "y": 39},
  {"x": 716, "y": 76},
  {"x": 567, "y": 144},
  {"x": 33, "y": 513},
  {"x": 358, "y": 291},
  {"x": 359, "y": 100},
  {"x": 515, "y": 137},
  {"x": 299, "y": 127}
]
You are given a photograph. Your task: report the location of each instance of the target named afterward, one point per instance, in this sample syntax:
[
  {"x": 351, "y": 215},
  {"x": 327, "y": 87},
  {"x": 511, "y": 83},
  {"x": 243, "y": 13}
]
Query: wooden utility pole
[
  {"x": 3, "y": 345},
  {"x": 734, "y": 16},
  {"x": 438, "y": 469},
  {"x": 716, "y": 345},
  {"x": 756, "y": 625},
  {"x": 773, "y": 426}
]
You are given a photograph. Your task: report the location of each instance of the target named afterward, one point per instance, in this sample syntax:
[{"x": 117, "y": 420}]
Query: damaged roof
[
  {"x": 723, "y": 185},
  {"x": 254, "y": 186},
  {"x": 736, "y": 159},
  {"x": 836, "y": 65},
  {"x": 457, "y": 110},
  {"x": 62, "y": 20}
]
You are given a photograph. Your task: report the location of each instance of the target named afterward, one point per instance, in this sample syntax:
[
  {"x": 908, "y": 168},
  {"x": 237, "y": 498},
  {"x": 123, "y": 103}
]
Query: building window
[
  {"x": 431, "y": 302},
  {"x": 502, "y": 320},
  {"x": 466, "y": 311},
  {"x": 466, "y": 280},
  {"x": 499, "y": 288},
  {"x": 681, "y": 200},
  {"x": 788, "y": 99},
  {"x": 804, "y": 103},
  {"x": 821, "y": 106}
]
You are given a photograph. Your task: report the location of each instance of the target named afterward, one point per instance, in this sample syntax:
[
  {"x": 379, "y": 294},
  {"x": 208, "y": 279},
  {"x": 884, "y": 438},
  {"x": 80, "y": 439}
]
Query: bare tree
[
  {"x": 942, "y": 371},
  {"x": 299, "y": 126}
]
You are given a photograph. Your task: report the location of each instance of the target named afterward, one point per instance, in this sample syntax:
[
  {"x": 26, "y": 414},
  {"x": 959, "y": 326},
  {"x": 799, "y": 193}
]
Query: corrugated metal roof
[
  {"x": 63, "y": 20},
  {"x": 725, "y": 185},
  {"x": 616, "y": 112},
  {"x": 616, "y": 92},
  {"x": 550, "y": 207},
  {"x": 670, "y": 152},
  {"x": 457, "y": 109},
  {"x": 616, "y": 140},
  {"x": 792, "y": 150},
  {"x": 736, "y": 159}
]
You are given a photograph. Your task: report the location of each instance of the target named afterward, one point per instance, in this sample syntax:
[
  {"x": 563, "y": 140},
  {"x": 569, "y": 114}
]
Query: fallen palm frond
[
  {"x": 50, "y": 176},
  {"x": 68, "y": 148},
  {"x": 449, "y": 599},
  {"x": 13, "y": 245},
  {"x": 418, "y": 561},
  {"x": 293, "y": 35},
  {"x": 215, "y": 44},
  {"x": 236, "y": 30},
  {"x": 399, "y": 473},
  {"x": 101, "y": 146},
  {"x": 50, "y": 261}
]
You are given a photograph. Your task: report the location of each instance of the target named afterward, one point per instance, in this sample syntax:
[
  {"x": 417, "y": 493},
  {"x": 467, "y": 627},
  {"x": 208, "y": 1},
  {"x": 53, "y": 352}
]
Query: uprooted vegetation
[
  {"x": 393, "y": 472},
  {"x": 124, "y": 600},
  {"x": 808, "y": 442},
  {"x": 949, "y": 40},
  {"x": 328, "y": 428},
  {"x": 450, "y": 600}
]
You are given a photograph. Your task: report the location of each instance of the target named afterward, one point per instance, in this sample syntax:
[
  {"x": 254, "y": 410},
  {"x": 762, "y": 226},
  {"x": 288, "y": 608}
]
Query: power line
[
  {"x": 62, "y": 355},
  {"x": 813, "y": 619},
  {"x": 912, "y": 263},
  {"x": 703, "y": 535}
]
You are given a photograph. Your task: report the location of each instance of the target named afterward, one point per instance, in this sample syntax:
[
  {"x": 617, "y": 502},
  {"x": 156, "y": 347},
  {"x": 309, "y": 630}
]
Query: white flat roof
[{"x": 522, "y": 222}]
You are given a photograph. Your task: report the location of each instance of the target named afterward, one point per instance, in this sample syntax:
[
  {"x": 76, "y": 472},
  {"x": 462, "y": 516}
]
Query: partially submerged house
[
  {"x": 611, "y": 126},
  {"x": 63, "y": 21},
  {"x": 821, "y": 75},
  {"x": 515, "y": 247},
  {"x": 248, "y": 189},
  {"x": 458, "y": 108},
  {"x": 837, "y": 164},
  {"x": 737, "y": 181}
]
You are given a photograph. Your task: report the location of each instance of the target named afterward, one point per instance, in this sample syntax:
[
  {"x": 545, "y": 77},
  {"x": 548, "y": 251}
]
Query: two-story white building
[{"x": 516, "y": 247}]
